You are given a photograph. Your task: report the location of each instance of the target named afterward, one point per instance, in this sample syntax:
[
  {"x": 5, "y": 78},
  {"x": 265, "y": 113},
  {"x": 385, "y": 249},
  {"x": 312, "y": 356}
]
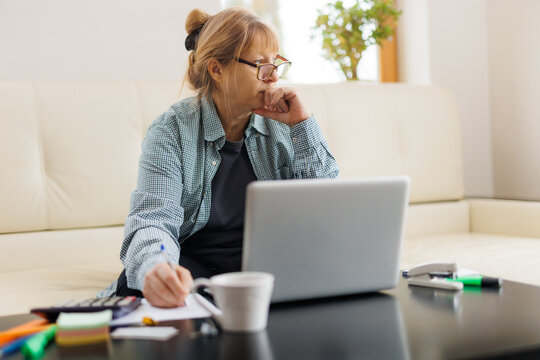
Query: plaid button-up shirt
[{"x": 180, "y": 156}]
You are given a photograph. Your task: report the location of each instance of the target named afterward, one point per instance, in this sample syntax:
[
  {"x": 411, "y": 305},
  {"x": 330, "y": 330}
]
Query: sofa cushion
[
  {"x": 437, "y": 218},
  {"x": 60, "y": 248},
  {"x": 505, "y": 217},
  {"x": 393, "y": 129},
  {"x": 23, "y": 290},
  {"x": 42, "y": 268},
  {"x": 72, "y": 150},
  {"x": 82, "y": 160},
  {"x": 21, "y": 183}
]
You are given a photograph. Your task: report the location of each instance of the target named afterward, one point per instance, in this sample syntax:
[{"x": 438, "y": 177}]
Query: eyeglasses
[{"x": 265, "y": 71}]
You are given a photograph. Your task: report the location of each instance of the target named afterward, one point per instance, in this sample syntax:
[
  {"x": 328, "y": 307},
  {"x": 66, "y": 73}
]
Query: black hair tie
[{"x": 191, "y": 39}]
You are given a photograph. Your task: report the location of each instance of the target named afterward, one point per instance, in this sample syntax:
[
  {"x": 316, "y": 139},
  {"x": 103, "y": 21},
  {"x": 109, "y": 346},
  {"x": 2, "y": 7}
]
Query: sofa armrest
[
  {"x": 444, "y": 217},
  {"x": 505, "y": 217}
]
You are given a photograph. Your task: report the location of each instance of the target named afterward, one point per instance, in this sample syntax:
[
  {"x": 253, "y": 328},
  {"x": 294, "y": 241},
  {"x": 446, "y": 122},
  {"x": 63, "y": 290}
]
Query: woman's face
[{"x": 244, "y": 90}]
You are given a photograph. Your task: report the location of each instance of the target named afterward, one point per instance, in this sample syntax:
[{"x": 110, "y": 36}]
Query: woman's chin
[
  {"x": 256, "y": 107},
  {"x": 258, "y": 102}
]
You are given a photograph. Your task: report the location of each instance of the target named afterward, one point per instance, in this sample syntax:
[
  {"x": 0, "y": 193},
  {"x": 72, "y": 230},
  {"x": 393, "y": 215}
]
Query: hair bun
[
  {"x": 194, "y": 23},
  {"x": 196, "y": 19}
]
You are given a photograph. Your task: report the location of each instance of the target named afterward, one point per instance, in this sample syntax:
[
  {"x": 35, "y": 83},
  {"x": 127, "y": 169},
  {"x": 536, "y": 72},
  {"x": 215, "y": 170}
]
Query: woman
[{"x": 198, "y": 157}]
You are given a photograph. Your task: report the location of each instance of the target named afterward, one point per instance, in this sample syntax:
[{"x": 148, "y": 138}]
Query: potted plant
[{"x": 348, "y": 31}]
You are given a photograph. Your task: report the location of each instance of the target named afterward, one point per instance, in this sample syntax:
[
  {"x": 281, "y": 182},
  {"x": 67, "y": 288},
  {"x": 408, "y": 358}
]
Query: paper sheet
[
  {"x": 162, "y": 333},
  {"x": 191, "y": 310}
]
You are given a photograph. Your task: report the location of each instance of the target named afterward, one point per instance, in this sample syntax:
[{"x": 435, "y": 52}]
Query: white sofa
[{"x": 68, "y": 160}]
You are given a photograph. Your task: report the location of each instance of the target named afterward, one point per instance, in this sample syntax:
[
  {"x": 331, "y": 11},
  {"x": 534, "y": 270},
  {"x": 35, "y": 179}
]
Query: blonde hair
[{"x": 222, "y": 37}]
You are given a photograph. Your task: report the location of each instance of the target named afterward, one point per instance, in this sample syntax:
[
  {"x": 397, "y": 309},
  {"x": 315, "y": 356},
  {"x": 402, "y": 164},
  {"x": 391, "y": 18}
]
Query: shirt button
[
  {"x": 294, "y": 139},
  {"x": 214, "y": 162},
  {"x": 256, "y": 135},
  {"x": 211, "y": 143}
]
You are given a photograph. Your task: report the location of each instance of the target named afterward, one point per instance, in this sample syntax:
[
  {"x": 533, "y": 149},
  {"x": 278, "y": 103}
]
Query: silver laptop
[{"x": 325, "y": 237}]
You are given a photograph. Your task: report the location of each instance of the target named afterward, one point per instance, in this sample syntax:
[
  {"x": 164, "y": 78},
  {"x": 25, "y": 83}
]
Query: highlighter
[
  {"x": 13, "y": 346},
  {"x": 34, "y": 347},
  {"x": 477, "y": 280}
]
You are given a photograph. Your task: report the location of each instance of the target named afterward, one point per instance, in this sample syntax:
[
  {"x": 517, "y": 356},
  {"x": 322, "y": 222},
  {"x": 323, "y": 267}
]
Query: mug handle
[{"x": 197, "y": 283}]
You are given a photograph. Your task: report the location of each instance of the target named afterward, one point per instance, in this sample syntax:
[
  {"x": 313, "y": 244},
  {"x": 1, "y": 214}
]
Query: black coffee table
[{"x": 403, "y": 323}]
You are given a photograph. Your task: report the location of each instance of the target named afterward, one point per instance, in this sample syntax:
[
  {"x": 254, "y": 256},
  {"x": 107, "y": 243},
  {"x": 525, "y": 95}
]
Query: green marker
[
  {"x": 34, "y": 347},
  {"x": 477, "y": 280}
]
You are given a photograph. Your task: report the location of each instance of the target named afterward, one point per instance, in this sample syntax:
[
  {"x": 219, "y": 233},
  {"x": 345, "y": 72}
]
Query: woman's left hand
[{"x": 283, "y": 105}]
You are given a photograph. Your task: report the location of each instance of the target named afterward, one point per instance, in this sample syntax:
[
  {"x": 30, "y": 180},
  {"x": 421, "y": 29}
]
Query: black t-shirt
[{"x": 217, "y": 248}]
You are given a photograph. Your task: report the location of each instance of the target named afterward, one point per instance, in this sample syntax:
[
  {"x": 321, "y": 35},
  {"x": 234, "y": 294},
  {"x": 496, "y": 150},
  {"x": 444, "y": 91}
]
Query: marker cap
[{"x": 35, "y": 346}]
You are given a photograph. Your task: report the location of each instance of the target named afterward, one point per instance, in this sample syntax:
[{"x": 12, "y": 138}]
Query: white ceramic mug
[{"x": 243, "y": 299}]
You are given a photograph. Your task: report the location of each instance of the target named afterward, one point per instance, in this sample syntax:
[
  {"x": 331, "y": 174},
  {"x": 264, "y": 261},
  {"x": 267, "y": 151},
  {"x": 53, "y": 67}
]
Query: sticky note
[{"x": 90, "y": 320}]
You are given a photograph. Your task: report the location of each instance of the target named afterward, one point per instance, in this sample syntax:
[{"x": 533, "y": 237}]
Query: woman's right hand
[{"x": 165, "y": 287}]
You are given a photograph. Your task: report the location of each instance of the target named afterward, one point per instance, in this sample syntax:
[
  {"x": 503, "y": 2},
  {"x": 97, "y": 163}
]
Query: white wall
[
  {"x": 444, "y": 43},
  {"x": 413, "y": 42},
  {"x": 514, "y": 74},
  {"x": 94, "y": 39},
  {"x": 459, "y": 58},
  {"x": 487, "y": 53}
]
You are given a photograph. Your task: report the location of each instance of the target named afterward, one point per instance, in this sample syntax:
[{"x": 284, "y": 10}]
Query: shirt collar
[
  {"x": 213, "y": 130},
  {"x": 258, "y": 124}
]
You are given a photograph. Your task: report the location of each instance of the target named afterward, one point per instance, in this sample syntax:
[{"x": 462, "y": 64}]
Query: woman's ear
[{"x": 216, "y": 70}]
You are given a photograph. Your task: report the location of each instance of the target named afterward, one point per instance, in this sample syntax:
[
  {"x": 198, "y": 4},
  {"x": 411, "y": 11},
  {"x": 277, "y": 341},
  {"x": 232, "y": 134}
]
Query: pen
[
  {"x": 34, "y": 347},
  {"x": 15, "y": 333},
  {"x": 166, "y": 257},
  {"x": 477, "y": 280},
  {"x": 5, "y": 336},
  {"x": 168, "y": 261},
  {"x": 13, "y": 346}
]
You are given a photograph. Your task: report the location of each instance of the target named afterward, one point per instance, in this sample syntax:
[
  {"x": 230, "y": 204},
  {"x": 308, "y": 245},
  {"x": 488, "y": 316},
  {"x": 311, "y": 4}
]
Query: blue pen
[
  {"x": 14, "y": 346},
  {"x": 166, "y": 257}
]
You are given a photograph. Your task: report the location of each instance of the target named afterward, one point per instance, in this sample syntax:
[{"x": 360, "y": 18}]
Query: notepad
[
  {"x": 191, "y": 310},
  {"x": 84, "y": 320}
]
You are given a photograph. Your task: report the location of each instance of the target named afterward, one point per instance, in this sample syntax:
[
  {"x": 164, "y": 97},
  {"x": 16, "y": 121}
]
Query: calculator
[{"x": 120, "y": 306}]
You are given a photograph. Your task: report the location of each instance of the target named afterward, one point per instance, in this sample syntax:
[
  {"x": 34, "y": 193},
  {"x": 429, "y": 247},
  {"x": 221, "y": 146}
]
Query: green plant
[{"x": 348, "y": 31}]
